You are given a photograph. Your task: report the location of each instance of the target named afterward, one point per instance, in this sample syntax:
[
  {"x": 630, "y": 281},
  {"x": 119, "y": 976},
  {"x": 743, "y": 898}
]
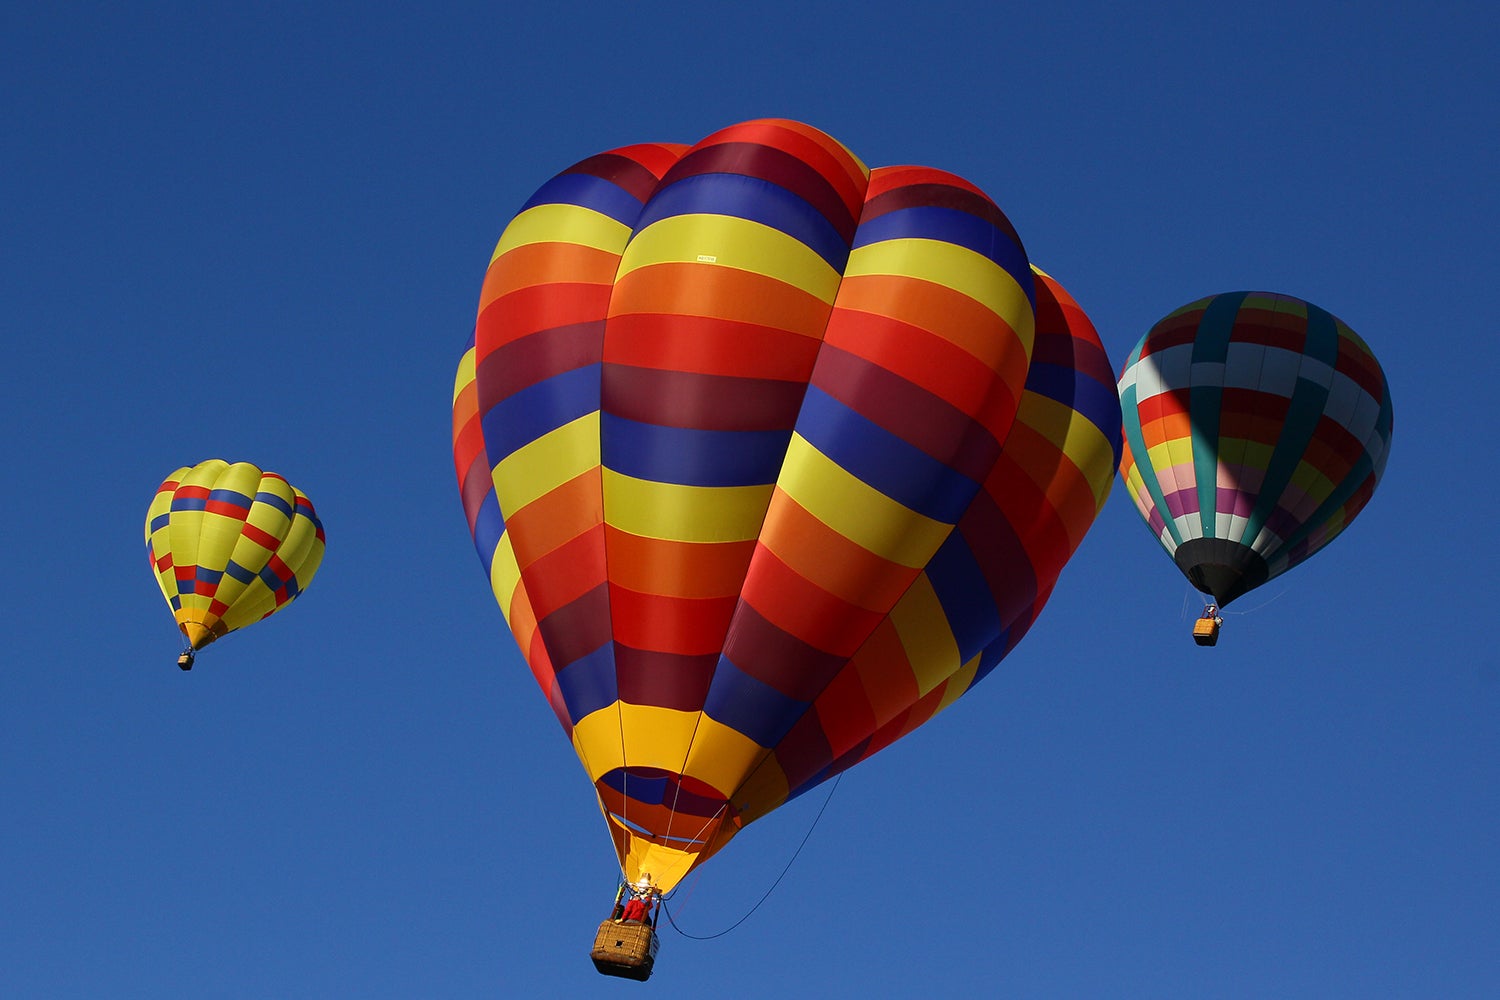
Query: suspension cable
[{"x": 709, "y": 937}]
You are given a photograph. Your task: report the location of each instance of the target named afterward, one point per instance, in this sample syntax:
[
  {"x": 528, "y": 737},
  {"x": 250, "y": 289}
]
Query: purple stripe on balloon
[
  {"x": 1182, "y": 502},
  {"x": 1228, "y": 500}
]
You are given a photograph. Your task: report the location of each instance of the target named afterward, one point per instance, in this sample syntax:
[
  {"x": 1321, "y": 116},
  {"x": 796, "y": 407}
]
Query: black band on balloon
[{"x": 1220, "y": 567}]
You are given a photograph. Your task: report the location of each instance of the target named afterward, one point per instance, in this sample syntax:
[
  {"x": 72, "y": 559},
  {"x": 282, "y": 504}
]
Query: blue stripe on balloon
[
  {"x": 884, "y": 461},
  {"x": 948, "y": 225},
  {"x": 991, "y": 657},
  {"x": 588, "y": 683},
  {"x": 750, "y": 707},
  {"x": 588, "y": 191},
  {"x": 305, "y": 509},
  {"x": 272, "y": 500},
  {"x": 238, "y": 572},
  {"x": 233, "y": 498},
  {"x": 1099, "y": 404},
  {"x": 690, "y": 456},
  {"x": 754, "y": 199},
  {"x": 540, "y": 408},
  {"x": 964, "y": 594},
  {"x": 652, "y": 791},
  {"x": 489, "y": 526}
]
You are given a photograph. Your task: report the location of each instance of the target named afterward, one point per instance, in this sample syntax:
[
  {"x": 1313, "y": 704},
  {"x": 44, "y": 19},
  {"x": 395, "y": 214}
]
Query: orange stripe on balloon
[
  {"x": 949, "y": 314},
  {"x": 1168, "y": 427},
  {"x": 818, "y": 553},
  {"x": 676, "y": 569},
  {"x": 556, "y": 517},
  {"x": 694, "y": 289},
  {"x": 545, "y": 263}
]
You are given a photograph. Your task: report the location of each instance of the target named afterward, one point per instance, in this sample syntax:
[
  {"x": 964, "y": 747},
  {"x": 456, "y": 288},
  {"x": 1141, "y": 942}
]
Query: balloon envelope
[
  {"x": 753, "y": 447},
  {"x": 230, "y": 545},
  {"x": 1256, "y": 427}
]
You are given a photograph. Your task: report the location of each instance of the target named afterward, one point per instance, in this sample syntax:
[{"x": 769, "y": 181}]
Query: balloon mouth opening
[
  {"x": 198, "y": 635},
  {"x": 1221, "y": 568}
]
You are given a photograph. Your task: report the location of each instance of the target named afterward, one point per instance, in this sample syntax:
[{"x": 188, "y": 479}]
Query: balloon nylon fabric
[
  {"x": 230, "y": 545},
  {"x": 1257, "y": 426},
  {"x": 768, "y": 461}
]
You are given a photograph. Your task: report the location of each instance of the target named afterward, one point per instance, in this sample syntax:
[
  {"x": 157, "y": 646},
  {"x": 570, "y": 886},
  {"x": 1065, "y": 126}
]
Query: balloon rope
[
  {"x": 709, "y": 937},
  {"x": 1262, "y": 604}
]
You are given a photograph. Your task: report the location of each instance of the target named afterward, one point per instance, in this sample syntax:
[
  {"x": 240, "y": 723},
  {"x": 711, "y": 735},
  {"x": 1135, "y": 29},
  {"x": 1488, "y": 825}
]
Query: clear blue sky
[{"x": 258, "y": 233}]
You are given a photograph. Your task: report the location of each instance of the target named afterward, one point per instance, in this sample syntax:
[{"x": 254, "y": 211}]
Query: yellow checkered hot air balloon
[{"x": 230, "y": 545}]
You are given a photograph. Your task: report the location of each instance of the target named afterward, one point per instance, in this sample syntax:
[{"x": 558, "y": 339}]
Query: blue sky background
[{"x": 258, "y": 232}]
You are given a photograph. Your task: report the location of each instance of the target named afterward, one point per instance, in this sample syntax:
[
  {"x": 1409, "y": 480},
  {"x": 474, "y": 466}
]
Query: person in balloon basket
[{"x": 637, "y": 909}]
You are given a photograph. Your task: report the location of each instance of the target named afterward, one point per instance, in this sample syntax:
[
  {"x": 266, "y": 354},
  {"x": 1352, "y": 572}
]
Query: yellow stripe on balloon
[
  {"x": 465, "y": 376},
  {"x": 763, "y": 789},
  {"x": 684, "y": 513},
  {"x": 505, "y": 573},
  {"x": 721, "y": 755},
  {"x": 1312, "y": 481},
  {"x": 562, "y": 224},
  {"x": 541, "y": 466},
  {"x": 725, "y": 241},
  {"x": 856, "y": 509},
  {"x": 1170, "y": 454},
  {"x": 1075, "y": 437},
  {"x": 952, "y": 266},
  {"x": 959, "y": 682},
  {"x": 923, "y": 629}
]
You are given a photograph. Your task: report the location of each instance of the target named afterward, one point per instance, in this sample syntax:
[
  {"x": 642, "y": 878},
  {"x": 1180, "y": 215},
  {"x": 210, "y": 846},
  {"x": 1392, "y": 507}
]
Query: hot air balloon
[
  {"x": 229, "y": 545},
  {"x": 768, "y": 457},
  {"x": 1256, "y": 428}
]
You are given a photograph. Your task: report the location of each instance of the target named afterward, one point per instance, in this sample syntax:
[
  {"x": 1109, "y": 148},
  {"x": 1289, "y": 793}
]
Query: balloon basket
[
  {"x": 625, "y": 950},
  {"x": 1206, "y": 631}
]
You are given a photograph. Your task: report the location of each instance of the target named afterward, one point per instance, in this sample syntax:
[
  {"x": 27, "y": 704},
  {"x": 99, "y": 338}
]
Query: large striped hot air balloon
[
  {"x": 229, "y": 545},
  {"x": 1256, "y": 427},
  {"x": 769, "y": 458}
]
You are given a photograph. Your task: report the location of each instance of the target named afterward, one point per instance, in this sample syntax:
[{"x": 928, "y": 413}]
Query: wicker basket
[
  {"x": 627, "y": 950},
  {"x": 1206, "y": 631}
]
